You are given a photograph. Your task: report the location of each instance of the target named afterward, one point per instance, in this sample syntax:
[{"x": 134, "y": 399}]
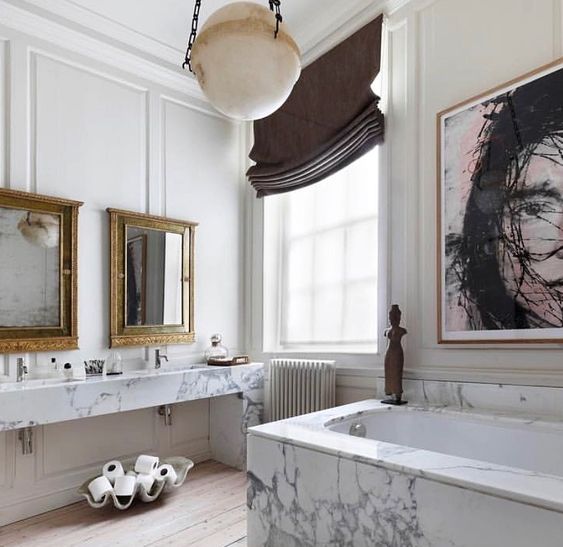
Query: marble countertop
[
  {"x": 521, "y": 485},
  {"x": 38, "y": 402}
]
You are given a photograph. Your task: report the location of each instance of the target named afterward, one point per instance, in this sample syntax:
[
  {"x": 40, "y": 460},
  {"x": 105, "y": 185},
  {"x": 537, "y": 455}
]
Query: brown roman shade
[{"x": 330, "y": 119}]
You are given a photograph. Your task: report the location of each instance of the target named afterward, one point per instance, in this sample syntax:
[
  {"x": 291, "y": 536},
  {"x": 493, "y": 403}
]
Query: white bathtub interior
[{"x": 527, "y": 444}]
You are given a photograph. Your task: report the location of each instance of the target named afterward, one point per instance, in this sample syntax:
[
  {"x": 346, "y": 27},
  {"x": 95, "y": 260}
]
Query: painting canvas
[{"x": 500, "y": 179}]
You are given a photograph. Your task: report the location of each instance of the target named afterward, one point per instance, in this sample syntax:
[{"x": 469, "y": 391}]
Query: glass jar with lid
[{"x": 216, "y": 350}]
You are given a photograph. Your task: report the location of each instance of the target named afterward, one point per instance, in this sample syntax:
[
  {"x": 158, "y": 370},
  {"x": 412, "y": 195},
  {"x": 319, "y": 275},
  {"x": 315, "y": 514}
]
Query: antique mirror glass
[
  {"x": 151, "y": 278},
  {"x": 38, "y": 276}
]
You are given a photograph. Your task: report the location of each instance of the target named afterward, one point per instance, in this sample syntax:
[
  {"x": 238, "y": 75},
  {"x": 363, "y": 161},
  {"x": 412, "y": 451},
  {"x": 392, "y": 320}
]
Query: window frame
[{"x": 273, "y": 278}]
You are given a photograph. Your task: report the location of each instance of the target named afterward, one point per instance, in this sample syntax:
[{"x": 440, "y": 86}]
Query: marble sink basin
[
  {"x": 30, "y": 383},
  {"x": 164, "y": 369}
]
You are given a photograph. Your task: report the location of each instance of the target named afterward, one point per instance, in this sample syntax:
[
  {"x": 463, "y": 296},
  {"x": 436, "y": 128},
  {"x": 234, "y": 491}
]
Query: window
[{"x": 321, "y": 263}]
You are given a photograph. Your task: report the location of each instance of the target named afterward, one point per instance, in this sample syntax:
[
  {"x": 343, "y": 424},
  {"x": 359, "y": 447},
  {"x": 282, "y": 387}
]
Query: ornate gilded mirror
[
  {"x": 152, "y": 289},
  {"x": 39, "y": 273}
]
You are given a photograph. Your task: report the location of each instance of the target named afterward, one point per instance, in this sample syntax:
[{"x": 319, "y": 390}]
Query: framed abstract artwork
[{"x": 500, "y": 206}]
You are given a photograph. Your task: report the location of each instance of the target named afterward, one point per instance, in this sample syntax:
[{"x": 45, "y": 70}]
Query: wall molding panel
[
  {"x": 4, "y": 110},
  {"x": 83, "y": 119},
  {"x": 83, "y": 17},
  {"x": 42, "y": 28},
  {"x": 444, "y": 66},
  {"x": 4, "y": 144}
]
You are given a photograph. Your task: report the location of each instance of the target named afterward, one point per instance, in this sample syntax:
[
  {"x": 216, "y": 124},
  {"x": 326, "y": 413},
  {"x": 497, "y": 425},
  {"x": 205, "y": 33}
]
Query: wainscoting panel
[
  {"x": 67, "y": 447},
  {"x": 190, "y": 189},
  {"x": 189, "y": 432},
  {"x": 80, "y": 124},
  {"x": 6, "y": 459},
  {"x": 98, "y": 124},
  {"x": 4, "y": 152}
]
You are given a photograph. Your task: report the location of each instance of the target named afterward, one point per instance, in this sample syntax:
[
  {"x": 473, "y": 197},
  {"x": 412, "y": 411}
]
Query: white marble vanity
[
  {"x": 39, "y": 402},
  {"x": 78, "y": 425}
]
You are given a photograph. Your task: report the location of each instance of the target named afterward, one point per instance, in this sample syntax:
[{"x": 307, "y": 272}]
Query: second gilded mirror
[{"x": 151, "y": 279}]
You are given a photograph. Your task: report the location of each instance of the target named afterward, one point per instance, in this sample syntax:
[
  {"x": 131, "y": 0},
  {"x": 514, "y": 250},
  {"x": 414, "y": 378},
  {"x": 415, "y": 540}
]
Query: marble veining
[
  {"x": 526, "y": 400},
  {"x": 301, "y": 497},
  {"x": 311, "y": 431},
  {"x": 44, "y": 402}
]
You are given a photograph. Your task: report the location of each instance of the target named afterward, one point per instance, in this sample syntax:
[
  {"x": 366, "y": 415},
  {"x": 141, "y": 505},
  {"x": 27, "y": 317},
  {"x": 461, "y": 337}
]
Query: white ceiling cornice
[
  {"x": 22, "y": 20},
  {"x": 330, "y": 26},
  {"x": 79, "y": 29},
  {"x": 85, "y": 20}
]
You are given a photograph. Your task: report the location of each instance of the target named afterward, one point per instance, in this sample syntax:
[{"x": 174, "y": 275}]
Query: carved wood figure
[{"x": 394, "y": 358}]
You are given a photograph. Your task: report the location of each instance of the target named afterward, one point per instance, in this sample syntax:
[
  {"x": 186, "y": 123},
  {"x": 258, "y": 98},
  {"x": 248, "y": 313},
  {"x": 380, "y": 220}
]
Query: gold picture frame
[
  {"x": 122, "y": 334},
  {"x": 63, "y": 336}
]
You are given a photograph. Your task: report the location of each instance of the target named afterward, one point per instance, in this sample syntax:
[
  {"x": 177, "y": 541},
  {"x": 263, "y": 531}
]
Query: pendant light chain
[
  {"x": 193, "y": 34},
  {"x": 275, "y": 6}
]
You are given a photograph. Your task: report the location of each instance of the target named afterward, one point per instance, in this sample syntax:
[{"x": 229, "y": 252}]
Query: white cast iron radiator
[{"x": 301, "y": 386}]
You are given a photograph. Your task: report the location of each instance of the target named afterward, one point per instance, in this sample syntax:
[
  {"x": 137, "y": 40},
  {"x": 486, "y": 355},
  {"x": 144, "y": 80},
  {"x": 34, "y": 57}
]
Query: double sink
[{"x": 37, "y": 380}]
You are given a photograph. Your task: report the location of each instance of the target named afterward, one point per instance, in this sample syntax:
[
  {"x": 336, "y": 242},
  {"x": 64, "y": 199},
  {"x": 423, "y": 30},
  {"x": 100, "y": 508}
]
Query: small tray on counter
[{"x": 229, "y": 361}]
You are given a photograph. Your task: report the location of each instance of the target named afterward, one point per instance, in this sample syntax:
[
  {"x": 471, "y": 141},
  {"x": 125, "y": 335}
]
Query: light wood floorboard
[{"x": 209, "y": 510}]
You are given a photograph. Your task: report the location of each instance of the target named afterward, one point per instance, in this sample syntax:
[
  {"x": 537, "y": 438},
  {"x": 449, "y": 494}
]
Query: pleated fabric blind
[{"x": 330, "y": 119}]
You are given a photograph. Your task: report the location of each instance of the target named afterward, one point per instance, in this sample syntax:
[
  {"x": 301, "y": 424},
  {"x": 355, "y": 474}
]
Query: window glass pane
[
  {"x": 300, "y": 217},
  {"x": 327, "y": 318},
  {"x": 362, "y": 187},
  {"x": 330, "y": 201},
  {"x": 360, "y": 316},
  {"x": 300, "y": 264},
  {"x": 329, "y": 257},
  {"x": 298, "y": 317},
  {"x": 361, "y": 250}
]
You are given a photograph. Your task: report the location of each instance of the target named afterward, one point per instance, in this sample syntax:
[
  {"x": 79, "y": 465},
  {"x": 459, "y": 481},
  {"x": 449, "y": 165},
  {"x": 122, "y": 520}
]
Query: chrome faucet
[
  {"x": 21, "y": 370},
  {"x": 158, "y": 358}
]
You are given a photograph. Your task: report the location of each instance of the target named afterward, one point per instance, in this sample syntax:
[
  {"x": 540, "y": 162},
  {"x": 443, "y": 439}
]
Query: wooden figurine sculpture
[{"x": 394, "y": 359}]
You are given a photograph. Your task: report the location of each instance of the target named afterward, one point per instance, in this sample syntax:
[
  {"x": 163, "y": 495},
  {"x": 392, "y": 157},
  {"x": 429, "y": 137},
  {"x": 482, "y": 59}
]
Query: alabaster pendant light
[
  {"x": 244, "y": 60},
  {"x": 40, "y": 229}
]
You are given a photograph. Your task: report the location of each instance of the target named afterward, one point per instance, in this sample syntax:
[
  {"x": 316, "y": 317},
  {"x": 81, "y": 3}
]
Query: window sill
[{"x": 335, "y": 350}]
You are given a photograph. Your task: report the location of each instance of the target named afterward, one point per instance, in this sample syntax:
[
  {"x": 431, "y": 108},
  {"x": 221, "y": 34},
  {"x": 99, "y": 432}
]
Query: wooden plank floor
[{"x": 209, "y": 510}]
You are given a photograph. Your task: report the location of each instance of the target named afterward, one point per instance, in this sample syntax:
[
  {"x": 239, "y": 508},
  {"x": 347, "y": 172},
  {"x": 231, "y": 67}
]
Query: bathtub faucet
[{"x": 394, "y": 359}]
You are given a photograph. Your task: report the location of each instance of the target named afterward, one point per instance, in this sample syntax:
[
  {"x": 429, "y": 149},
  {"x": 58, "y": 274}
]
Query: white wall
[
  {"x": 82, "y": 130},
  {"x": 93, "y": 123},
  {"x": 438, "y": 53},
  {"x": 441, "y": 52}
]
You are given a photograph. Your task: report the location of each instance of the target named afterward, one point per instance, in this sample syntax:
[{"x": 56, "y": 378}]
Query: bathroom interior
[{"x": 281, "y": 273}]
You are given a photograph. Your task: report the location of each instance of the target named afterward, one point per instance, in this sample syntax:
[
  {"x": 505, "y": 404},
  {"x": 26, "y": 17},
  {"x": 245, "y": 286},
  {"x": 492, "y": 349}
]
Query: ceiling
[{"x": 166, "y": 22}]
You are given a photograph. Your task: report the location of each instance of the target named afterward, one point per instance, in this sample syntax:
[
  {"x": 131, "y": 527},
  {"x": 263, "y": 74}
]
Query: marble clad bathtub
[{"x": 421, "y": 476}]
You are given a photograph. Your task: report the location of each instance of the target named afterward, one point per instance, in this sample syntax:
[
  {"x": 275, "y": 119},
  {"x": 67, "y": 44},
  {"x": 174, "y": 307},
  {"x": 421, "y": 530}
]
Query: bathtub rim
[{"x": 510, "y": 483}]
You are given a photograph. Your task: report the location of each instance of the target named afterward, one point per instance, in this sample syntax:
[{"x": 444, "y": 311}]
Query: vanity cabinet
[
  {"x": 65, "y": 454},
  {"x": 83, "y": 424}
]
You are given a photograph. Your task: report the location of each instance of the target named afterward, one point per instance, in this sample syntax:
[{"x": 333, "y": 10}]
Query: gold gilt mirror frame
[
  {"x": 62, "y": 333},
  {"x": 122, "y": 332}
]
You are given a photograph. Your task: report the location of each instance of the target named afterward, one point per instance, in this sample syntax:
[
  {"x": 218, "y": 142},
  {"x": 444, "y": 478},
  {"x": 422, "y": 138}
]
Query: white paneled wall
[
  {"x": 439, "y": 53},
  {"x": 114, "y": 134}
]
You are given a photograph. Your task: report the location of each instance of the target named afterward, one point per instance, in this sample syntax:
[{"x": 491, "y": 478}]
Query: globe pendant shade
[{"x": 244, "y": 71}]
